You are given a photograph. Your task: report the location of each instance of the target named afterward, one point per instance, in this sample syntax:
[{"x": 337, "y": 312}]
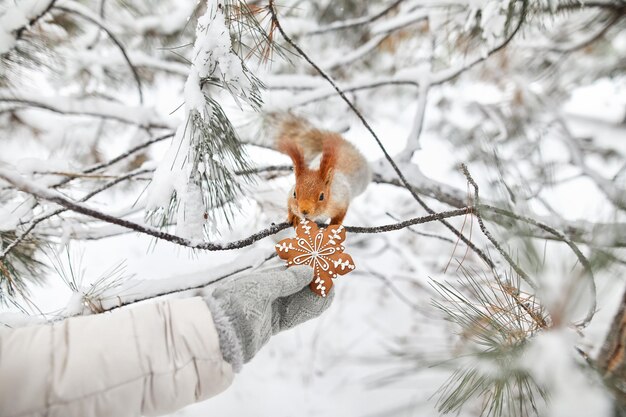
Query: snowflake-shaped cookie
[{"x": 319, "y": 248}]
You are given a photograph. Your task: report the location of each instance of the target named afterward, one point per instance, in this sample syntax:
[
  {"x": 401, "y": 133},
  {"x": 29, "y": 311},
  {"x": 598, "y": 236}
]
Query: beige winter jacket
[{"x": 148, "y": 360}]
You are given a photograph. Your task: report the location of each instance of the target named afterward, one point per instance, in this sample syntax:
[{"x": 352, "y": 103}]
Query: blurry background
[{"x": 147, "y": 114}]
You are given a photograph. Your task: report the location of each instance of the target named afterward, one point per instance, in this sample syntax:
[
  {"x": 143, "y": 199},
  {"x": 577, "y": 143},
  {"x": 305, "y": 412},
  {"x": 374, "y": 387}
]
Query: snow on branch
[
  {"x": 44, "y": 193},
  {"x": 17, "y": 18},
  {"x": 610, "y": 189},
  {"x": 104, "y": 295},
  {"x": 352, "y": 23},
  {"x": 196, "y": 183},
  {"x": 72, "y": 7},
  {"x": 590, "y": 233},
  {"x": 92, "y": 107},
  {"x": 166, "y": 24}
]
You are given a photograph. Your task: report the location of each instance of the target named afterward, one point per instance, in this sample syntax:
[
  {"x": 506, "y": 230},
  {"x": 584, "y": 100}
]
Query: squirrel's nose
[{"x": 305, "y": 212}]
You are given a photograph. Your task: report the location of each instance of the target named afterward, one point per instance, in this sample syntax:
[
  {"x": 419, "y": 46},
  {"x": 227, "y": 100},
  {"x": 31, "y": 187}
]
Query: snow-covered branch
[
  {"x": 613, "y": 192},
  {"x": 71, "y": 7},
  {"x": 91, "y": 107},
  {"x": 18, "y": 18},
  {"x": 352, "y": 23},
  {"x": 41, "y": 192}
]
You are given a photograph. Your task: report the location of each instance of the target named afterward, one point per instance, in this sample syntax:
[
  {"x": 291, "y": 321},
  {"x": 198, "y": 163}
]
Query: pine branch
[
  {"x": 494, "y": 320},
  {"x": 206, "y": 149},
  {"x": 22, "y": 262}
]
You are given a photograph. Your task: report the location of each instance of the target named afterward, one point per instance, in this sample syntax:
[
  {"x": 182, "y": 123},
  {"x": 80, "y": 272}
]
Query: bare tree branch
[{"x": 437, "y": 78}]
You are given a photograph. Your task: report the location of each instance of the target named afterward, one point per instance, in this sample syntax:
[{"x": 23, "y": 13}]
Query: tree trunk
[{"x": 612, "y": 358}]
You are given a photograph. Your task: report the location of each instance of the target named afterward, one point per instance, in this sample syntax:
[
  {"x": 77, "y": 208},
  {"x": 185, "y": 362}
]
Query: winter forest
[{"x": 138, "y": 163}]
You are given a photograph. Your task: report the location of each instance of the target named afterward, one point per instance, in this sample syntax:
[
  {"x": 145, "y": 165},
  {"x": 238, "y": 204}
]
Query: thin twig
[
  {"x": 74, "y": 175},
  {"x": 118, "y": 158},
  {"x": 489, "y": 236},
  {"x": 112, "y": 36},
  {"x": 406, "y": 223},
  {"x": 431, "y": 235},
  {"x": 324, "y": 93},
  {"x": 561, "y": 237}
]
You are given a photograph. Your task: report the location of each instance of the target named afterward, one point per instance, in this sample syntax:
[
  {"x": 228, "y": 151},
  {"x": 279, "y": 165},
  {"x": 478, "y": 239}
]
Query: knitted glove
[{"x": 249, "y": 310}]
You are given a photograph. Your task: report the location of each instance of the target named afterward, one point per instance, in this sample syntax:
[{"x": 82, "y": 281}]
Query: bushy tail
[
  {"x": 291, "y": 130},
  {"x": 283, "y": 131}
]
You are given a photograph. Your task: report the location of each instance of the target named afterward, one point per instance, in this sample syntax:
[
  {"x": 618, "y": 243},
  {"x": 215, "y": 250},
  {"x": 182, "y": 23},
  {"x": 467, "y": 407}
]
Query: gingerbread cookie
[{"x": 319, "y": 248}]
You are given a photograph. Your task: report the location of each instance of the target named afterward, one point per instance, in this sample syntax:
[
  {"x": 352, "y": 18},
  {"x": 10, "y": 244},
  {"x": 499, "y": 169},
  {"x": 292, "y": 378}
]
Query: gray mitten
[{"x": 249, "y": 310}]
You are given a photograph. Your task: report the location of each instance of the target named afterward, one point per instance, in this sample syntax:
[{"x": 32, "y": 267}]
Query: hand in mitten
[{"x": 249, "y": 310}]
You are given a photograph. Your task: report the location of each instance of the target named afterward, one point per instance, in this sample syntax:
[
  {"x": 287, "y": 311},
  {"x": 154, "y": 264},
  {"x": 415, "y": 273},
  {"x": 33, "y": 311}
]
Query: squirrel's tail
[
  {"x": 291, "y": 130},
  {"x": 283, "y": 131}
]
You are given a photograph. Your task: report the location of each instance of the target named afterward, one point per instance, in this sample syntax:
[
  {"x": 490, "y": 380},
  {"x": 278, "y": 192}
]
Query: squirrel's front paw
[{"x": 292, "y": 219}]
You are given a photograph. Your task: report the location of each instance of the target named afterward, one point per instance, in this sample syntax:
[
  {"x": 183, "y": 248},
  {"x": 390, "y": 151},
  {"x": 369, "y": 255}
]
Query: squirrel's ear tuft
[
  {"x": 329, "y": 157},
  {"x": 296, "y": 155}
]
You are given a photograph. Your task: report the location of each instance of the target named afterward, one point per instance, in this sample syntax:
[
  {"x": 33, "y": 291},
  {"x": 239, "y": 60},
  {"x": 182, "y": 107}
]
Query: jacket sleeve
[{"x": 148, "y": 360}]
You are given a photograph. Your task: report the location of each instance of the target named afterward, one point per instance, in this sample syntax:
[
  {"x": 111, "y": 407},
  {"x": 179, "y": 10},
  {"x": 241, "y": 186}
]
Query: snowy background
[{"x": 381, "y": 349}]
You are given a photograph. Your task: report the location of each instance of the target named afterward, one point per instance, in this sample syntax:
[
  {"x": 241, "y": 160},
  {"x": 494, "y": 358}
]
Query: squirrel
[{"x": 329, "y": 170}]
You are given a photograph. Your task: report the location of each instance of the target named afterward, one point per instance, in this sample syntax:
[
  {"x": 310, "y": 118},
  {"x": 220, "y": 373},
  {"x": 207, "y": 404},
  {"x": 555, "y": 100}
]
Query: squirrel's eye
[
  {"x": 321, "y": 196},
  {"x": 294, "y": 194}
]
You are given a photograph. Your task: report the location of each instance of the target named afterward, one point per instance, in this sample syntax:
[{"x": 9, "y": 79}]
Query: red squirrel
[{"x": 329, "y": 170}]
